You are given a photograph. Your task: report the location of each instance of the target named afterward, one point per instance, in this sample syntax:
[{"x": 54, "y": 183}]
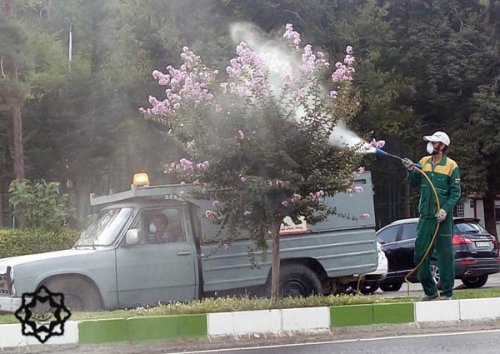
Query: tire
[
  {"x": 79, "y": 294},
  {"x": 369, "y": 288},
  {"x": 391, "y": 286},
  {"x": 436, "y": 274},
  {"x": 475, "y": 282},
  {"x": 299, "y": 280}
]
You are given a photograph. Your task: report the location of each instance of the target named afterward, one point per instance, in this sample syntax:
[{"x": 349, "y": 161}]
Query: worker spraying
[{"x": 436, "y": 223}]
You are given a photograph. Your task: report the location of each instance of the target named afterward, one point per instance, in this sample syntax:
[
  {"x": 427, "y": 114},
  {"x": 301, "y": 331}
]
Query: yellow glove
[{"x": 441, "y": 215}]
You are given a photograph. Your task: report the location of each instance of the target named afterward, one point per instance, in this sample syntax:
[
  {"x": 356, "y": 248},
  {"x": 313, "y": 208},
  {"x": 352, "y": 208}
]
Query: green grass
[{"x": 245, "y": 304}]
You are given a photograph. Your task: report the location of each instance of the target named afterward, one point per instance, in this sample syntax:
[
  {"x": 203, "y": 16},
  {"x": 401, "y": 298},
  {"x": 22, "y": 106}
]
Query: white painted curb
[
  {"x": 479, "y": 309},
  {"x": 273, "y": 321},
  {"x": 11, "y": 336},
  {"x": 437, "y": 311}
]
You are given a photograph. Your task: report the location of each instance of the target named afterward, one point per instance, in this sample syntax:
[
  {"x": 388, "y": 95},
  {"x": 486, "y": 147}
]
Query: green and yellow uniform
[{"x": 445, "y": 177}]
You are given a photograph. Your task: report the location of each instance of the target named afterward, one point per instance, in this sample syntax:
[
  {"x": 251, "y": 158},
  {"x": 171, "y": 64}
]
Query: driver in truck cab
[{"x": 158, "y": 230}]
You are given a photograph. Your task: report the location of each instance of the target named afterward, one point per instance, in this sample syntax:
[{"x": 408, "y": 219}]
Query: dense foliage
[
  {"x": 18, "y": 242},
  {"x": 421, "y": 66}
]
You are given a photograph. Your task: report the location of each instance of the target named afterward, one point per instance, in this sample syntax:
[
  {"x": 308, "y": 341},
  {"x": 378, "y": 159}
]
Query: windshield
[
  {"x": 104, "y": 229},
  {"x": 471, "y": 228}
]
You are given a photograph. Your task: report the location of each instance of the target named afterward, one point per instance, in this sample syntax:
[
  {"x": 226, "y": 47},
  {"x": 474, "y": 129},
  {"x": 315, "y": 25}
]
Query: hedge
[{"x": 18, "y": 242}]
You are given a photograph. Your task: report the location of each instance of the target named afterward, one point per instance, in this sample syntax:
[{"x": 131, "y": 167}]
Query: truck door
[{"x": 161, "y": 267}]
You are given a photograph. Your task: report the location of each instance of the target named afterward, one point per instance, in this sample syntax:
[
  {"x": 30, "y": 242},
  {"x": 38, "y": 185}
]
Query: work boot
[{"x": 430, "y": 297}]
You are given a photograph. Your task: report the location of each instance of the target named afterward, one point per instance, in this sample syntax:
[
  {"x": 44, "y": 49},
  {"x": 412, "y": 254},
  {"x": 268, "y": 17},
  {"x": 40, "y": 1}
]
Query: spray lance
[{"x": 418, "y": 168}]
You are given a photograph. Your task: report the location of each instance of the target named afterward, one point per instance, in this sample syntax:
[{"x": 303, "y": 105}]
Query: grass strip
[{"x": 228, "y": 304}]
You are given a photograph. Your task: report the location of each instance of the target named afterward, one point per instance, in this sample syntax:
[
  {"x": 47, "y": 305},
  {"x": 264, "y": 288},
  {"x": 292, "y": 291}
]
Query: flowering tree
[{"x": 263, "y": 147}]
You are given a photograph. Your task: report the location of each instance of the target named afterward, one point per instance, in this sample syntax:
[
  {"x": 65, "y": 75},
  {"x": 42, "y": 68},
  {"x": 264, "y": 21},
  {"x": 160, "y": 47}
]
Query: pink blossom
[
  {"x": 296, "y": 197},
  {"x": 186, "y": 164},
  {"x": 358, "y": 189},
  {"x": 312, "y": 62},
  {"x": 210, "y": 215},
  {"x": 378, "y": 144},
  {"x": 243, "y": 179},
  {"x": 247, "y": 73},
  {"x": 191, "y": 144},
  {"x": 291, "y": 35},
  {"x": 288, "y": 79},
  {"x": 280, "y": 183},
  {"x": 205, "y": 165},
  {"x": 319, "y": 194},
  {"x": 348, "y": 50},
  {"x": 284, "y": 203},
  {"x": 361, "y": 170},
  {"x": 247, "y": 213},
  {"x": 334, "y": 94}
]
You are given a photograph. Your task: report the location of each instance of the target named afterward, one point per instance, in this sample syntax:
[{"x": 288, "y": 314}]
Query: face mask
[
  {"x": 430, "y": 148},
  {"x": 152, "y": 227}
]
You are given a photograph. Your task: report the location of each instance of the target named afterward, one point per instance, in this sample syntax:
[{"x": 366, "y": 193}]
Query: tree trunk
[
  {"x": 275, "y": 276},
  {"x": 489, "y": 214},
  {"x": 17, "y": 140},
  {"x": 16, "y": 119}
]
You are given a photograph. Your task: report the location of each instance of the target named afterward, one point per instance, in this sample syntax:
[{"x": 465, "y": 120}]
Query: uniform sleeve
[
  {"x": 455, "y": 191},
  {"x": 415, "y": 178}
]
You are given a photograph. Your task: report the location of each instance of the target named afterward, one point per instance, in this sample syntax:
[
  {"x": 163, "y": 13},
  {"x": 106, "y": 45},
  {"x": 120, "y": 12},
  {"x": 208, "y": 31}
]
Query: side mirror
[{"x": 132, "y": 237}]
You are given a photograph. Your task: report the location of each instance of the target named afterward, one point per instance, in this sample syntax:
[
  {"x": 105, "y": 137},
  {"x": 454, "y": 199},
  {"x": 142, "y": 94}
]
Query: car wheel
[
  {"x": 391, "y": 286},
  {"x": 79, "y": 294},
  {"x": 299, "y": 280},
  {"x": 436, "y": 274},
  {"x": 369, "y": 288},
  {"x": 475, "y": 282}
]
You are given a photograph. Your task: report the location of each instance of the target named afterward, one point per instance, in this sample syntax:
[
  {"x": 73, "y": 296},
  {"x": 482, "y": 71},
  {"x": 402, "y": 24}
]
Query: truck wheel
[
  {"x": 391, "y": 286},
  {"x": 299, "y": 280},
  {"x": 79, "y": 294},
  {"x": 369, "y": 288},
  {"x": 475, "y": 282}
]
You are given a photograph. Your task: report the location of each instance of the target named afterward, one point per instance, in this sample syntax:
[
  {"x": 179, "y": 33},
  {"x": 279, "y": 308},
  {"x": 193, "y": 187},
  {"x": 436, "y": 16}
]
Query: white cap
[{"x": 438, "y": 137}]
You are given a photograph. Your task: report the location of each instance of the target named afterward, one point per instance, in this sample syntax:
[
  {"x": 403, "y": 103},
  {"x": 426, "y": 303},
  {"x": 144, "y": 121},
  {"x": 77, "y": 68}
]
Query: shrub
[
  {"x": 18, "y": 242},
  {"x": 38, "y": 205}
]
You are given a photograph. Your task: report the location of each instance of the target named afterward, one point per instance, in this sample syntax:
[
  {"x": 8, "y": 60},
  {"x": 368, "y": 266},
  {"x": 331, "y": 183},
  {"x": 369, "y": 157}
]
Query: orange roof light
[{"x": 141, "y": 179}]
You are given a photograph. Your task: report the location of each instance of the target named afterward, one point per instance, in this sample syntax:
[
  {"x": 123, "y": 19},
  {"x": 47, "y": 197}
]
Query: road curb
[{"x": 276, "y": 321}]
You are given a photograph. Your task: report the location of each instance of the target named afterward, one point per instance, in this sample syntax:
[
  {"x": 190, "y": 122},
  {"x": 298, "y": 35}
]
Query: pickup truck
[{"x": 114, "y": 265}]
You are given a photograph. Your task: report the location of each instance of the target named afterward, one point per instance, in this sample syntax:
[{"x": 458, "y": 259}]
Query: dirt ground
[{"x": 179, "y": 346}]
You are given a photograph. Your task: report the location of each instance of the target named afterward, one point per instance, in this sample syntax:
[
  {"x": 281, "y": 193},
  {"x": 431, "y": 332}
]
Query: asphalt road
[
  {"x": 416, "y": 288},
  {"x": 484, "y": 342}
]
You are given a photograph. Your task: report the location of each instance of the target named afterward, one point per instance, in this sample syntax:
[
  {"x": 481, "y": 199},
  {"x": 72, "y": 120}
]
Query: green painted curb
[
  {"x": 142, "y": 328},
  {"x": 151, "y": 328},
  {"x": 351, "y": 315},
  {"x": 193, "y": 325},
  {"x": 393, "y": 313},
  {"x": 102, "y": 331}
]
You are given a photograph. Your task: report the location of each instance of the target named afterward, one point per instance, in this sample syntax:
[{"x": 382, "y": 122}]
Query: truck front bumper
[{"x": 10, "y": 304}]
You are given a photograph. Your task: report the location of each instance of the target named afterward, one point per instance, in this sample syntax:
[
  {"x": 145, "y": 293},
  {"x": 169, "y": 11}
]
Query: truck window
[
  {"x": 160, "y": 225},
  {"x": 104, "y": 229}
]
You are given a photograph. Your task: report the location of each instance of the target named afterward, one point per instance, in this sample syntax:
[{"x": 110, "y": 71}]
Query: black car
[{"x": 476, "y": 253}]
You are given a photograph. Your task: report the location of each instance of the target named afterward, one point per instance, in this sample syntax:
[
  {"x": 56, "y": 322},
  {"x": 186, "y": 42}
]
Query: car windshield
[
  {"x": 104, "y": 229},
  {"x": 469, "y": 228}
]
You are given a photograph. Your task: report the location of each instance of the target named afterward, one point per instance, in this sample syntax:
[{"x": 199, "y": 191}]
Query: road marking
[{"x": 405, "y": 336}]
